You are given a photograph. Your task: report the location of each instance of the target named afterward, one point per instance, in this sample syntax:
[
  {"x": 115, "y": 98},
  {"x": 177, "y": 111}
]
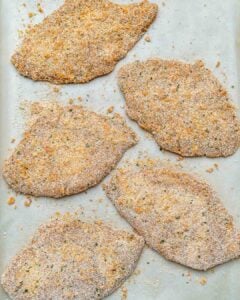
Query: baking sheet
[{"x": 186, "y": 30}]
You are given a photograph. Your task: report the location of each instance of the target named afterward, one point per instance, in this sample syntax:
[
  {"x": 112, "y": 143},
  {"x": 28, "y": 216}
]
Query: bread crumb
[
  {"x": 80, "y": 99},
  {"x": 218, "y": 64},
  {"x": 13, "y": 141},
  {"x": 213, "y": 168},
  {"x": 31, "y": 15},
  {"x": 70, "y": 101},
  {"x": 137, "y": 272},
  {"x": 203, "y": 280},
  {"x": 27, "y": 202},
  {"x": 110, "y": 109},
  {"x": 40, "y": 9},
  {"x": 56, "y": 89},
  {"x": 11, "y": 201},
  {"x": 124, "y": 293},
  {"x": 210, "y": 170},
  {"x": 147, "y": 38}
]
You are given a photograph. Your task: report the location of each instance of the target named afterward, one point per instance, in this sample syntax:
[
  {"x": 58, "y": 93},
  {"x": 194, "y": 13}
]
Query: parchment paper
[{"x": 184, "y": 29}]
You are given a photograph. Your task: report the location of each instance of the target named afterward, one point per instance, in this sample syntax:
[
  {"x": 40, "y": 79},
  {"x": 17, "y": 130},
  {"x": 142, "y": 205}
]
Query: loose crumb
[
  {"x": 210, "y": 170},
  {"x": 80, "y": 99},
  {"x": 40, "y": 9},
  {"x": 203, "y": 280},
  {"x": 137, "y": 272},
  {"x": 218, "y": 64},
  {"x": 70, "y": 101},
  {"x": 147, "y": 38},
  {"x": 215, "y": 167},
  {"x": 31, "y": 15},
  {"x": 56, "y": 89},
  {"x": 27, "y": 202},
  {"x": 110, "y": 109},
  {"x": 11, "y": 201},
  {"x": 124, "y": 293},
  {"x": 13, "y": 141}
]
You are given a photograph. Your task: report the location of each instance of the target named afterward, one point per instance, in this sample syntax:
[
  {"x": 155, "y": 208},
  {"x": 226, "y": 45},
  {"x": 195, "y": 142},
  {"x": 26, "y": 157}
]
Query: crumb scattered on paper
[
  {"x": 203, "y": 280},
  {"x": 147, "y": 38},
  {"x": 31, "y": 15},
  {"x": 27, "y": 202},
  {"x": 218, "y": 64},
  {"x": 137, "y": 272},
  {"x": 124, "y": 293},
  {"x": 210, "y": 170},
  {"x": 70, "y": 101},
  {"x": 56, "y": 89},
  {"x": 13, "y": 141},
  {"x": 11, "y": 201},
  {"x": 110, "y": 109},
  {"x": 40, "y": 9}
]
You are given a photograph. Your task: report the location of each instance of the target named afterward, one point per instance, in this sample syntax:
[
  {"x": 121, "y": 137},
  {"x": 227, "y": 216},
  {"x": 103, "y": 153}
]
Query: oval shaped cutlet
[
  {"x": 82, "y": 40},
  {"x": 183, "y": 105},
  {"x": 66, "y": 151},
  {"x": 70, "y": 259},
  {"x": 178, "y": 215}
]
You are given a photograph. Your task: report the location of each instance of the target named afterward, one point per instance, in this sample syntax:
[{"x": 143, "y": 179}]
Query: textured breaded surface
[
  {"x": 67, "y": 150},
  {"x": 183, "y": 105},
  {"x": 82, "y": 40},
  {"x": 70, "y": 259},
  {"x": 179, "y": 215}
]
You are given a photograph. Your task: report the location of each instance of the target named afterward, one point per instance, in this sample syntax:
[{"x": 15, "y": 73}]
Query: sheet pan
[{"x": 186, "y": 30}]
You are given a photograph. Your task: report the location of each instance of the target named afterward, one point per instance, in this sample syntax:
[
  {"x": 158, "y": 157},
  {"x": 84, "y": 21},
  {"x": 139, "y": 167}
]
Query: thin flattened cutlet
[
  {"x": 183, "y": 105},
  {"x": 82, "y": 40},
  {"x": 67, "y": 150},
  {"x": 178, "y": 215},
  {"x": 70, "y": 259}
]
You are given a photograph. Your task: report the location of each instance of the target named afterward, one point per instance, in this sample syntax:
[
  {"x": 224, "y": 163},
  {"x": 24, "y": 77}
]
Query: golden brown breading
[
  {"x": 183, "y": 105},
  {"x": 178, "y": 215},
  {"x": 70, "y": 259},
  {"x": 67, "y": 150},
  {"x": 82, "y": 40}
]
